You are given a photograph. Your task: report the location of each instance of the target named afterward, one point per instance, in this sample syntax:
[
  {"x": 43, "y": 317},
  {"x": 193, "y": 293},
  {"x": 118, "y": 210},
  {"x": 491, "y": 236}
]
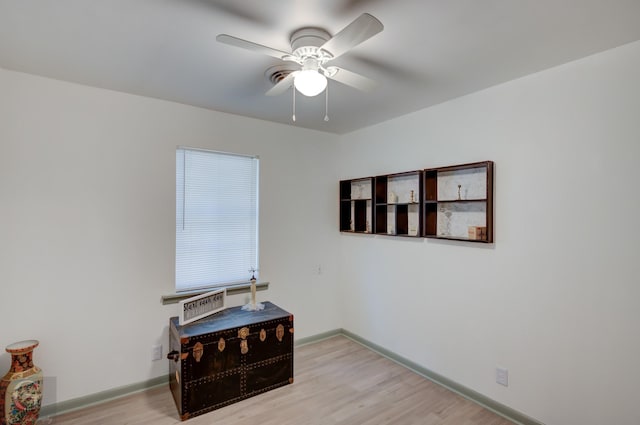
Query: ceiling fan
[{"x": 311, "y": 50}]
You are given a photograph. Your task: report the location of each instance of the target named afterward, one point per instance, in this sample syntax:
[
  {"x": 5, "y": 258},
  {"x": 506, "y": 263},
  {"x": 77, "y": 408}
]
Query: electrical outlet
[
  {"x": 156, "y": 352},
  {"x": 502, "y": 376}
]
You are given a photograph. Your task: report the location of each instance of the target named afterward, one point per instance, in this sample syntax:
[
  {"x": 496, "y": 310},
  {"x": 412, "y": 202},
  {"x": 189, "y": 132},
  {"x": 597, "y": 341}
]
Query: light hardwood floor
[{"x": 337, "y": 381}]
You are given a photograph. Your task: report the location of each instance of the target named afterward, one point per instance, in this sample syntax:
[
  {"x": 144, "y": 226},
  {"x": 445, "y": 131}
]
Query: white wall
[
  {"x": 87, "y": 196},
  {"x": 555, "y": 299}
]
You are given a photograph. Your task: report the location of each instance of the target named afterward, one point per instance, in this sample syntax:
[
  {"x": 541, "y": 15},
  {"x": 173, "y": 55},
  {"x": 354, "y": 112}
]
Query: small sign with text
[{"x": 201, "y": 306}]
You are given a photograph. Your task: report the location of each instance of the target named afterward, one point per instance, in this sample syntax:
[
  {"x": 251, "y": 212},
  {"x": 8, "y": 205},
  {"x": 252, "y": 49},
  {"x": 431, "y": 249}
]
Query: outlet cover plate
[
  {"x": 156, "y": 352},
  {"x": 502, "y": 376}
]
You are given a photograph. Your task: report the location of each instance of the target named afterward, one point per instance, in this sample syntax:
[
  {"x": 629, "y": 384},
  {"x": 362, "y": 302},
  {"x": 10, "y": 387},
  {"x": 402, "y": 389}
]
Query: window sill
[{"x": 236, "y": 288}]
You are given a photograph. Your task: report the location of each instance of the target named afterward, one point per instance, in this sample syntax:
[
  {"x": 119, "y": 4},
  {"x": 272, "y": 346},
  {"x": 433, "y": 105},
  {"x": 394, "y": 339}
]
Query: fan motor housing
[{"x": 309, "y": 37}]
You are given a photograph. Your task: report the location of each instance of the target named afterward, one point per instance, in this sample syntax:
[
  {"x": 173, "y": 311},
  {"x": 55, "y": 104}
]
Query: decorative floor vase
[{"x": 21, "y": 387}]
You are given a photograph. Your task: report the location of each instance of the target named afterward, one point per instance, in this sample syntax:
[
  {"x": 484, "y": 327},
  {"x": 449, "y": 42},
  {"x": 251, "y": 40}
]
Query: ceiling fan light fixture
[{"x": 310, "y": 82}]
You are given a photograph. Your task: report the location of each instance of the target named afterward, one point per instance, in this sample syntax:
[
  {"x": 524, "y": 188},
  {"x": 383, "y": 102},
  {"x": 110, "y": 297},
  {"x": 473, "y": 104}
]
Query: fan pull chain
[
  {"x": 326, "y": 103},
  {"x": 294, "y": 104}
]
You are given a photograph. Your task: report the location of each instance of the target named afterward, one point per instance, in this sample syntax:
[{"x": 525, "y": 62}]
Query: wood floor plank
[{"x": 337, "y": 382}]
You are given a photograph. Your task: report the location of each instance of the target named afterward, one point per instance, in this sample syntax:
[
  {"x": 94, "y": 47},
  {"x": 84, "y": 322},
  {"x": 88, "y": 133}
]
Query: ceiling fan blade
[
  {"x": 362, "y": 28},
  {"x": 349, "y": 6},
  {"x": 352, "y": 79},
  {"x": 234, "y": 10},
  {"x": 259, "y": 48},
  {"x": 282, "y": 86}
]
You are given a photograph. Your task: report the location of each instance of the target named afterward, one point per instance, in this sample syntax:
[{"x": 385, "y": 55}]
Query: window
[{"x": 216, "y": 218}]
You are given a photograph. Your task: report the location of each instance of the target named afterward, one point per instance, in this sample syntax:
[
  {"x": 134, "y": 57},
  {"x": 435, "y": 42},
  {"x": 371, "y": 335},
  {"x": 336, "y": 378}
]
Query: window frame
[{"x": 252, "y": 177}]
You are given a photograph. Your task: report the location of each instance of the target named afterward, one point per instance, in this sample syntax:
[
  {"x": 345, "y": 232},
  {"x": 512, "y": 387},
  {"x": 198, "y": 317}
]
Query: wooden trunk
[{"x": 229, "y": 356}]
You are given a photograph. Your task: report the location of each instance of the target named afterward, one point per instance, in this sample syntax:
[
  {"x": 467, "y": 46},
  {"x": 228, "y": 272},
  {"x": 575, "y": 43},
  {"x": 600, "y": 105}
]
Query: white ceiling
[{"x": 430, "y": 50}]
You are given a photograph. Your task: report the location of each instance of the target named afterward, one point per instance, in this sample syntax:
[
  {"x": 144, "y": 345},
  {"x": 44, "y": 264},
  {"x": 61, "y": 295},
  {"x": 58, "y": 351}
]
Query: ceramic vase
[{"x": 21, "y": 387}]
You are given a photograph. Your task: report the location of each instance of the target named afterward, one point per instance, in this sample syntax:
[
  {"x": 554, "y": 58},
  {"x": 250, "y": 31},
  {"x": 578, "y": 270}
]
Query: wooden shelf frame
[
  {"x": 397, "y": 214},
  {"x": 357, "y": 213},
  {"x": 448, "y": 203},
  {"x": 478, "y": 208}
]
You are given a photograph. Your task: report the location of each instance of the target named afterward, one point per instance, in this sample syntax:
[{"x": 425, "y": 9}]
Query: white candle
[{"x": 253, "y": 293}]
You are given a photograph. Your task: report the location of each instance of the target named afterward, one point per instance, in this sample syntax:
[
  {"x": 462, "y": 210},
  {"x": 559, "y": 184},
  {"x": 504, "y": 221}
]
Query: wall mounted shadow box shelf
[
  {"x": 458, "y": 202},
  {"x": 398, "y": 206},
  {"x": 356, "y": 205}
]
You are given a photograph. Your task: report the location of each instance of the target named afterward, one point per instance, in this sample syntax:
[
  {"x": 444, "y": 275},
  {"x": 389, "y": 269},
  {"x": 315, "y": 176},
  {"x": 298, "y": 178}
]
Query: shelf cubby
[
  {"x": 458, "y": 202},
  {"x": 398, "y": 204},
  {"x": 356, "y": 205}
]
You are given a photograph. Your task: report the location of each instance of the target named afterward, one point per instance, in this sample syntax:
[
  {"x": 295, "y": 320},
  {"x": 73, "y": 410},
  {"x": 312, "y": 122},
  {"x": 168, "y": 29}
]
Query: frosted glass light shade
[{"x": 309, "y": 82}]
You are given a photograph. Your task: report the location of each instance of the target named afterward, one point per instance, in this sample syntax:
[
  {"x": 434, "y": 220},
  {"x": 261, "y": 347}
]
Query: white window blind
[{"x": 216, "y": 218}]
